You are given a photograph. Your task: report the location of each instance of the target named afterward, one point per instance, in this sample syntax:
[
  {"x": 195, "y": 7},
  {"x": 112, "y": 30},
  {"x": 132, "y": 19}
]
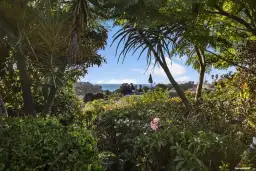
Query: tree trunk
[
  {"x": 3, "y": 110},
  {"x": 162, "y": 62},
  {"x": 177, "y": 88},
  {"x": 201, "y": 59},
  {"x": 25, "y": 86},
  {"x": 200, "y": 83},
  {"x": 160, "y": 58},
  {"x": 50, "y": 101},
  {"x": 51, "y": 97}
]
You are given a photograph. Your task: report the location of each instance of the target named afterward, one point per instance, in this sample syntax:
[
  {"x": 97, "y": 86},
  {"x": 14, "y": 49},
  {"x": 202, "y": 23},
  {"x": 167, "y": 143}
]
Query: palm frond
[{"x": 153, "y": 40}]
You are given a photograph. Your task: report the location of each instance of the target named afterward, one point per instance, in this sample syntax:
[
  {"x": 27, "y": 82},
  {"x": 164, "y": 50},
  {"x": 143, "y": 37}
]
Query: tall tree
[
  {"x": 49, "y": 42},
  {"x": 150, "y": 80},
  {"x": 154, "y": 41},
  {"x": 201, "y": 59},
  {"x": 15, "y": 23},
  {"x": 65, "y": 52},
  {"x": 203, "y": 22}
]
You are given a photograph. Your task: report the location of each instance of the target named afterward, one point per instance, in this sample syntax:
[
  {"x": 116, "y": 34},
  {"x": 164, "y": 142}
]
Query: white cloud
[
  {"x": 100, "y": 82},
  {"x": 138, "y": 70},
  {"x": 114, "y": 81},
  {"x": 175, "y": 68},
  {"x": 183, "y": 79},
  {"x": 178, "y": 71},
  {"x": 180, "y": 80}
]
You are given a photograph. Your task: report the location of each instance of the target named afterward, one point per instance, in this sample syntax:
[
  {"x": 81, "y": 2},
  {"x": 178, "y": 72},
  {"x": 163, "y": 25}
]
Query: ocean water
[{"x": 113, "y": 87}]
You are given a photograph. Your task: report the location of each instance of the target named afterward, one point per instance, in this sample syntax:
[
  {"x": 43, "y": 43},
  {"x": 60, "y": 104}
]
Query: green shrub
[
  {"x": 44, "y": 144},
  {"x": 117, "y": 130},
  {"x": 66, "y": 104},
  {"x": 203, "y": 141},
  {"x": 124, "y": 89},
  {"x": 176, "y": 145},
  {"x": 90, "y": 111},
  {"x": 162, "y": 86}
]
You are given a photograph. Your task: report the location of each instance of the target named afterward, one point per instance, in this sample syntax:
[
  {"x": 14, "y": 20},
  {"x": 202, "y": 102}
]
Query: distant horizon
[
  {"x": 124, "y": 83},
  {"x": 115, "y": 83},
  {"x": 130, "y": 83}
]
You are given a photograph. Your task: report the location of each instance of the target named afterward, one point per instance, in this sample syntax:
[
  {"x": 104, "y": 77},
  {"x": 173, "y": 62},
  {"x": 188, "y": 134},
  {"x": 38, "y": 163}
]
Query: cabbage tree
[
  {"x": 55, "y": 39},
  {"x": 156, "y": 43}
]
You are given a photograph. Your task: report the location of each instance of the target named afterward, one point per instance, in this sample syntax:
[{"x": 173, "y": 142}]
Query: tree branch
[
  {"x": 233, "y": 63},
  {"x": 235, "y": 18},
  {"x": 200, "y": 56}
]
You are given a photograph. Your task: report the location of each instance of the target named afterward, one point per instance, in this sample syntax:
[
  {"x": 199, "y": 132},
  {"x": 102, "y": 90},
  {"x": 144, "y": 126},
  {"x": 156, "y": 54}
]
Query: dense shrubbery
[
  {"x": 92, "y": 96},
  {"x": 124, "y": 89},
  {"x": 212, "y": 137},
  {"x": 44, "y": 144},
  {"x": 205, "y": 140},
  {"x": 163, "y": 86},
  {"x": 66, "y": 104}
]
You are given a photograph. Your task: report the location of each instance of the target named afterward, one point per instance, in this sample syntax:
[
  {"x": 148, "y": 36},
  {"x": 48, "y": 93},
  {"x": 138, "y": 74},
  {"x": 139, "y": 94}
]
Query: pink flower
[{"x": 154, "y": 124}]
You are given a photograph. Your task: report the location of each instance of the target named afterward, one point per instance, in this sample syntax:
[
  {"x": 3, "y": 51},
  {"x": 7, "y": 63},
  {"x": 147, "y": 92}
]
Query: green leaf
[
  {"x": 173, "y": 147},
  {"x": 178, "y": 158},
  {"x": 190, "y": 145},
  {"x": 179, "y": 165},
  {"x": 200, "y": 163}
]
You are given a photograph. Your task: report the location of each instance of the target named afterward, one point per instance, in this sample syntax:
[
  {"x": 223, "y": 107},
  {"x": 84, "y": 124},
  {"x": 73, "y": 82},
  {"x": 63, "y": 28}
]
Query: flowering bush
[
  {"x": 148, "y": 134},
  {"x": 154, "y": 124}
]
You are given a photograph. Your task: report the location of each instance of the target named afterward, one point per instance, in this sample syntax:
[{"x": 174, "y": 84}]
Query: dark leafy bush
[
  {"x": 93, "y": 96},
  {"x": 125, "y": 89},
  {"x": 88, "y": 97},
  {"x": 162, "y": 86},
  {"x": 107, "y": 93},
  {"x": 144, "y": 89},
  {"x": 66, "y": 104},
  {"x": 44, "y": 144},
  {"x": 188, "y": 85}
]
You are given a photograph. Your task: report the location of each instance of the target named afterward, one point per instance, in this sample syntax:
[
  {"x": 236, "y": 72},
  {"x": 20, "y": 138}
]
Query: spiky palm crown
[{"x": 47, "y": 34}]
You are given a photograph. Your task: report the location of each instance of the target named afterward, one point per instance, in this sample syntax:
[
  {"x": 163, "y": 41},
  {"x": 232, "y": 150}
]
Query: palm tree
[
  {"x": 61, "y": 51},
  {"x": 157, "y": 42},
  {"x": 54, "y": 41}
]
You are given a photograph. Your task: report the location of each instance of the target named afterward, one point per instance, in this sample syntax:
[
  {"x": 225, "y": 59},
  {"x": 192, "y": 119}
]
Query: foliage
[
  {"x": 202, "y": 141},
  {"x": 125, "y": 89},
  {"x": 43, "y": 144},
  {"x": 145, "y": 89},
  {"x": 157, "y": 42},
  {"x": 92, "y": 96},
  {"x": 188, "y": 85},
  {"x": 44, "y": 47},
  {"x": 66, "y": 104},
  {"x": 162, "y": 86}
]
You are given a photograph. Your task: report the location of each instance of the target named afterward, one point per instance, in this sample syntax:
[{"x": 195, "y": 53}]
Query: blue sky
[{"x": 133, "y": 70}]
